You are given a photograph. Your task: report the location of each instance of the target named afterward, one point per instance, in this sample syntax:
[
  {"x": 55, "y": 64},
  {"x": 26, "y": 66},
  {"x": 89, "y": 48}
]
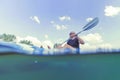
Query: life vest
[{"x": 73, "y": 42}]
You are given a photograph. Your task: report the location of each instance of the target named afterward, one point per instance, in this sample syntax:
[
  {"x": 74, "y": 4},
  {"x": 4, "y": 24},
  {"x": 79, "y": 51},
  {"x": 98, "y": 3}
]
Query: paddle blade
[{"x": 91, "y": 24}]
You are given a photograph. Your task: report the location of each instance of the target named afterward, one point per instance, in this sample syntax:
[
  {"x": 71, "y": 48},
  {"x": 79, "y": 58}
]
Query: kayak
[
  {"x": 31, "y": 50},
  {"x": 8, "y": 47}
]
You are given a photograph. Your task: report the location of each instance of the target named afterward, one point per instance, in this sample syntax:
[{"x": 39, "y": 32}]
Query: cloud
[
  {"x": 52, "y": 22},
  {"x": 112, "y": 11},
  {"x": 47, "y": 43},
  {"x": 89, "y": 19},
  {"x": 34, "y": 40},
  {"x": 88, "y": 46},
  {"x": 60, "y": 27},
  {"x": 94, "y": 41},
  {"x": 46, "y": 36},
  {"x": 35, "y": 18},
  {"x": 105, "y": 45},
  {"x": 94, "y": 47},
  {"x": 93, "y": 38},
  {"x": 64, "y": 18}
]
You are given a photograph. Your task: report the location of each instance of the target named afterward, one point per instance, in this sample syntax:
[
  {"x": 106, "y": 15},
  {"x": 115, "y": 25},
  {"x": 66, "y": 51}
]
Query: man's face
[{"x": 72, "y": 34}]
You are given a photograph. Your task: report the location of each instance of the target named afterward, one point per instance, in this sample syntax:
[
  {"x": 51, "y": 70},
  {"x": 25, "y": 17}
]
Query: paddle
[{"x": 88, "y": 26}]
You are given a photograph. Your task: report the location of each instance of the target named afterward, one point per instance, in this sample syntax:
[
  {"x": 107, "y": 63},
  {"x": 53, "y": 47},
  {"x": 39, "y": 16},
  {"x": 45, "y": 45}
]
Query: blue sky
[{"x": 53, "y": 19}]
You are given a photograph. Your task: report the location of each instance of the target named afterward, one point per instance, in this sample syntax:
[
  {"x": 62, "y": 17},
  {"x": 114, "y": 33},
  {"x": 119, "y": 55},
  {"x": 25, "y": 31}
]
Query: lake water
[{"x": 68, "y": 67}]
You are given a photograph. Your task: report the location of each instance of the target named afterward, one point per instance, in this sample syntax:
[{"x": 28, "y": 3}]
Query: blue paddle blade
[{"x": 91, "y": 24}]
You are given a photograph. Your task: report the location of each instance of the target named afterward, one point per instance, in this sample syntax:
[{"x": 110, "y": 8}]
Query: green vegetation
[
  {"x": 8, "y": 37},
  {"x": 26, "y": 42},
  {"x": 12, "y": 38}
]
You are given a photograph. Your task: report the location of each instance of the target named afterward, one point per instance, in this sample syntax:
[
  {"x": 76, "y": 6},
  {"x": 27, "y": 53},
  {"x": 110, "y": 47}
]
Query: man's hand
[{"x": 80, "y": 41}]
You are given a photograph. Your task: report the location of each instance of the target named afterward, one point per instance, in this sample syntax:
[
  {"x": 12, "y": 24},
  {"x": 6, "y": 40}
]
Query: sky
[{"x": 50, "y": 21}]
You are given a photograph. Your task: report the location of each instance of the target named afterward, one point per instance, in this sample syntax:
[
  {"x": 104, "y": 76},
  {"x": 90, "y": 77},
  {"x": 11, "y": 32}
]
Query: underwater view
[
  {"x": 59, "y": 40},
  {"x": 68, "y": 67}
]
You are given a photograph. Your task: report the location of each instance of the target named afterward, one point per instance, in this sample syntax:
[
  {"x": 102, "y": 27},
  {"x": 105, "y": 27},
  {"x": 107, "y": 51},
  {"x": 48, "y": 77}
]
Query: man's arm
[{"x": 81, "y": 41}]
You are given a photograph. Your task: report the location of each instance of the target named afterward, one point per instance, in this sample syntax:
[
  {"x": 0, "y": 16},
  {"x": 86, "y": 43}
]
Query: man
[{"x": 73, "y": 42}]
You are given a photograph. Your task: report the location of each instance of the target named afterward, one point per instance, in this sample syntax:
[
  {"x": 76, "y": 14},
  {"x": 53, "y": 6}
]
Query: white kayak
[{"x": 6, "y": 47}]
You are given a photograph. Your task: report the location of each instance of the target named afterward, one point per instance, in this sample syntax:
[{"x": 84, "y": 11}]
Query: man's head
[{"x": 72, "y": 34}]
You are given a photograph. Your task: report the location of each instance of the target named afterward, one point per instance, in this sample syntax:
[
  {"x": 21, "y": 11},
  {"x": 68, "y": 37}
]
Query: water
[{"x": 71, "y": 67}]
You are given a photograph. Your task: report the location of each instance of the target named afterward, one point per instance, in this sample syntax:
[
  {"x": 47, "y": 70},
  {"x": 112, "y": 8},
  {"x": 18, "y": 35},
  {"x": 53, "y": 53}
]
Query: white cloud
[
  {"x": 35, "y": 18},
  {"x": 105, "y": 45},
  {"x": 64, "y": 18},
  {"x": 52, "y": 22},
  {"x": 111, "y": 11},
  {"x": 94, "y": 41},
  {"x": 60, "y": 27},
  {"x": 34, "y": 40},
  {"x": 46, "y": 36},
  {"x": 93, "y": 38},
  {"x": 47, "y": 43},
  {"x": 18, "y": 39},
  {"x": 89, "y": 19},
  {"x": 88, "y": 46},
  {"x": 94, "y": 47}
]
